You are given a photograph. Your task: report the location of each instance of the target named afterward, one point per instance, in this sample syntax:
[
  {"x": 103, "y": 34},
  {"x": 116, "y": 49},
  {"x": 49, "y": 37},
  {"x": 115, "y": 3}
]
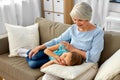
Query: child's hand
[
  {"x": 57, "y": 58},
  {"x": 55, "y": 61},
  {"x": 62, "y": 62}
]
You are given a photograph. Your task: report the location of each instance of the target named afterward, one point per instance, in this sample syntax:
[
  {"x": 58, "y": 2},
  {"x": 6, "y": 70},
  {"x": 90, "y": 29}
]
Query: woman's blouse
[{"x": 90, "y": 41}]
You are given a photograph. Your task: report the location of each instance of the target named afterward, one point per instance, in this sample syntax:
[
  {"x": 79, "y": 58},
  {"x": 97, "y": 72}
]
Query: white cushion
[
  {"x": 110, "y": 68},
  {"x": 72, "y": 72},
  {"x": 19, "y": 36},
  {"x": 50, "y": 77}
]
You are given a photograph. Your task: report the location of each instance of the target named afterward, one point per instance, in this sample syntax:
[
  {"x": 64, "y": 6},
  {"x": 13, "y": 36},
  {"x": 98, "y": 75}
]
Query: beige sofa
[{"x": 16, "y": 68}]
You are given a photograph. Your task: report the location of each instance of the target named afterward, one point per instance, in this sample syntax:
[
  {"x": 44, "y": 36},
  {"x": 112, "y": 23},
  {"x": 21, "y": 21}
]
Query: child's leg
[
  {"x": 40, "y": 55},
  {"x": 37, "y": 60},
  {"x": 36, "y": 63}
]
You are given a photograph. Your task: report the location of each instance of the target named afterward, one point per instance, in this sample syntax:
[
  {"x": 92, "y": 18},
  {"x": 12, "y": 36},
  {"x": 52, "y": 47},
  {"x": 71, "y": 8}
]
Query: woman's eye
[
  {"x": 80, "y": 20},
  {"x": 74, "y": 19}
]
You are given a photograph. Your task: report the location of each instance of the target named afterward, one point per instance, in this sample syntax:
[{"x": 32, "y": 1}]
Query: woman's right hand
[{"x": 33, "y": 51}]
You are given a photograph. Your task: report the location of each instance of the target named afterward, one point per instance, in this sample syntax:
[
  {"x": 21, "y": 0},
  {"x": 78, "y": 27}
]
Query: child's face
[{"x": 66, "y": 58}]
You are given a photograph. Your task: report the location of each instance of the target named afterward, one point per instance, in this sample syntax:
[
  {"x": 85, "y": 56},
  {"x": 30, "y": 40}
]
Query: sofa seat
[{"x": 18, "y": 68}]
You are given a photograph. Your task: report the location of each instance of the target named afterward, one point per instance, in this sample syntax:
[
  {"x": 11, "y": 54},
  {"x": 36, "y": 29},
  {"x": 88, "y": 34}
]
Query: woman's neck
[{"x": 86, "y": 28}]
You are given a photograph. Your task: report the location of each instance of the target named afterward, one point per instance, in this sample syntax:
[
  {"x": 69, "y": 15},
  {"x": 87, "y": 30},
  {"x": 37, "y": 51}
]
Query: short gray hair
[{"x": 81, "y": 10}]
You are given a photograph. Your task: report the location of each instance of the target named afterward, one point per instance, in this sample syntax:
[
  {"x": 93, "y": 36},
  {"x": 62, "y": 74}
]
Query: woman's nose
[{"x": 76, "y": 21}]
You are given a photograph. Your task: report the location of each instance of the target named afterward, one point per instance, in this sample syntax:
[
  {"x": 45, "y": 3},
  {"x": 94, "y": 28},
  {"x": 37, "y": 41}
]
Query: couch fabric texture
[{"x": 16, "y": 68}]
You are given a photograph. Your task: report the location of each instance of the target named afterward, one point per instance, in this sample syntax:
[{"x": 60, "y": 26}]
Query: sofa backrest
[
  {"x": 49, "y": 30},
  {"x": 111, "y": 45}
]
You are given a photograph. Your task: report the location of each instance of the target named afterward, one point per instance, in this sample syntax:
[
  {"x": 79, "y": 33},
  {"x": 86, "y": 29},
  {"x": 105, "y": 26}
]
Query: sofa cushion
[
  {"x": 18, "y": 68},
  {"x": 49, "y": 30},
  {"x": 110, "y": 68},
  {"x": 85, "y": 71},
  {"x": 19, "y": 36}
]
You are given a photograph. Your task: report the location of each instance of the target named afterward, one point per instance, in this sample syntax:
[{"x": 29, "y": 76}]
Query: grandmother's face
[{"x": 80, "y": 23}]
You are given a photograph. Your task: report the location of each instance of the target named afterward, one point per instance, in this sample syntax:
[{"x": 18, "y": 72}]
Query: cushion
[
  {"x": 110, "y": 68},
  {"x": 19, "y": 36},
  {"x": 71, "y": 72}
]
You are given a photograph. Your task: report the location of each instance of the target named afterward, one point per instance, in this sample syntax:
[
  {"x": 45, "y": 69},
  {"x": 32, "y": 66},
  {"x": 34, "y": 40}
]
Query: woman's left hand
[{"x": 68, "y": 46}]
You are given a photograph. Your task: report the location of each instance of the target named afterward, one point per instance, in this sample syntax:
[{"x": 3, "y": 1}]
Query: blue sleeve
[
  {"x": 63, "y": 37},
  {"x": 94, "y": 53}
]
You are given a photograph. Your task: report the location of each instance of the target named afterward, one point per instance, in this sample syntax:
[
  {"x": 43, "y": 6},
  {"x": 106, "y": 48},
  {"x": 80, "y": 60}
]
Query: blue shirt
[
  {"x": 90, "y": 41},
  {"x": 59, "y": 51}
]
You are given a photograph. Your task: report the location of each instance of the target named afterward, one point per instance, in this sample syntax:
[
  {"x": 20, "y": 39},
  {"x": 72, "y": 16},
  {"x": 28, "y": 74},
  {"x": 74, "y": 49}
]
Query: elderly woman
[{"x": 84, "y": 38}]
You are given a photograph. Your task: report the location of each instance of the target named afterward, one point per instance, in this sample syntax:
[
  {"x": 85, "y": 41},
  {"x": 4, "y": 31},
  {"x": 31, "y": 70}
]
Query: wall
[{"x": 113, "y": 17}]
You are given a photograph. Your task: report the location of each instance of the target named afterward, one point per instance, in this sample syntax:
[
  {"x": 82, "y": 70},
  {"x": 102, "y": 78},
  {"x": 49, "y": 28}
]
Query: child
[
  {"x": 68, "y": 58},
  {"x": 56, "y": 51},
  {"x": 53, "y": 52}
]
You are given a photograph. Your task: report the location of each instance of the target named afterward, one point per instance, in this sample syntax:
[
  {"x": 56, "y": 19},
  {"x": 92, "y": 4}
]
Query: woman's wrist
[
  {"x": 73, "y": 50},
  {"x": 41, "y": 47}
]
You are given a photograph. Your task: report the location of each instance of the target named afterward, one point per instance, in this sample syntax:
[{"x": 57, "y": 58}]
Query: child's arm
[
  {"x": 49, "y": 63},
  {"x": 49, "y": 51}
]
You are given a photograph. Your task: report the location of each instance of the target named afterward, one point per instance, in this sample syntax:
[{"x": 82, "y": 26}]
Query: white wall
[
  {"x": 113, "y": 17},
  {"x": 75, "y": 1}
]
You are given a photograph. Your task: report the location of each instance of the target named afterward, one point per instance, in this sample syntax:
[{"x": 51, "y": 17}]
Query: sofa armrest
[{"x": 4, "y": 46}]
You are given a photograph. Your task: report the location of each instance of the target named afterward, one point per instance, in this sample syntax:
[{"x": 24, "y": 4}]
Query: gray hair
[{"x": 82, "y": 11}]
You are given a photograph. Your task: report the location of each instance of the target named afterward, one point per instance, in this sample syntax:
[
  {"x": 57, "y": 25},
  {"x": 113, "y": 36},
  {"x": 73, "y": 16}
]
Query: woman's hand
[
  {"x": 68, "y": 46},
  {"x": 33, "y": 51}
]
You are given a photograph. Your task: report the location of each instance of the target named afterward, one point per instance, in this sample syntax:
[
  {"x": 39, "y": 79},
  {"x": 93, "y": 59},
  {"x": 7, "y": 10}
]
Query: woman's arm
[
  {"x": 94, "y": 53},
  {"x": 80, "y": 52},
  {"x": 65, "y": 36}
]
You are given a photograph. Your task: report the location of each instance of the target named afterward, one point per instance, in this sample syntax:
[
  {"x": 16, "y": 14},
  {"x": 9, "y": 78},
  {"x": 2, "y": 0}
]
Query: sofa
[{"x": 16, "y": 68}]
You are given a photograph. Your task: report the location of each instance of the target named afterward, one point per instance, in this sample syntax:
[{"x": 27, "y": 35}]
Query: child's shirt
[{"x": 59, "y": 51}]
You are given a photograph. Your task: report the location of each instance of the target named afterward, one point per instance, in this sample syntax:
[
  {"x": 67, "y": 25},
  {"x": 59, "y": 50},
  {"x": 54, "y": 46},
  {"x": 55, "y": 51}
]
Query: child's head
[{"x": 71, "y": 58}]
